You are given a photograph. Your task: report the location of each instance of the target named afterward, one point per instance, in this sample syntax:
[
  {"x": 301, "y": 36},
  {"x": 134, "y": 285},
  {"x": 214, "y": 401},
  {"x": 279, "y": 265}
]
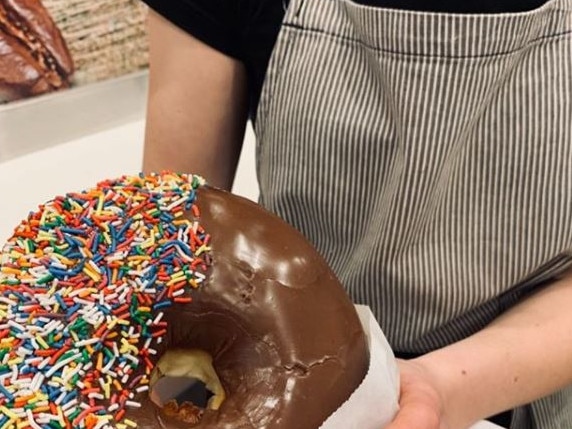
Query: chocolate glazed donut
[
  {"x": 34, "y": 58},
  {"x": 114, "y": 300},
  {"x": 285, "y": 339}
]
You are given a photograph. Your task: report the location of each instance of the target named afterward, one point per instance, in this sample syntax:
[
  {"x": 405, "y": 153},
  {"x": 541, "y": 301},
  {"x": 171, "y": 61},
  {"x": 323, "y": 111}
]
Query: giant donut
[{"x": 111, "y": 296}]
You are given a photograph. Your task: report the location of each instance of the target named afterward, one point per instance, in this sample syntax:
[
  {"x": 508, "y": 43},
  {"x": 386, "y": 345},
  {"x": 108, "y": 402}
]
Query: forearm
[
  {"x": 523, "y": 355},
  {"x": 200, "y": 140},
  {"x": 197, "y": 103}
]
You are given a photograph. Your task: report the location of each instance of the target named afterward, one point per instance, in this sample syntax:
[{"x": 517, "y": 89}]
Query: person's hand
[{"x": 421, "y": 405}]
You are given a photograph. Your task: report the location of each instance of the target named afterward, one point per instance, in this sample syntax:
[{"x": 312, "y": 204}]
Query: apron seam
[
  {"x": 515, "y": 14},
  {"x": 533, "y": 42}
]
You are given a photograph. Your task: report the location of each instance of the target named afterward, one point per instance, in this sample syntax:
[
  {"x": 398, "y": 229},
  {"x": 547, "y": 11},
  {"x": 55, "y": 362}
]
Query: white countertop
[{"x": 32, "y": 179}]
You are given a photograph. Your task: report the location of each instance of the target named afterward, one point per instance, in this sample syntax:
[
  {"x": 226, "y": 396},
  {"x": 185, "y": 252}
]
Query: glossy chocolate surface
[{"x": 286, "y": 340}]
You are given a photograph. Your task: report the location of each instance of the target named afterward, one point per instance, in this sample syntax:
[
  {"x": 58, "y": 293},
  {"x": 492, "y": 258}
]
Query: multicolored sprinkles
[{"x": 83, "y": 282}]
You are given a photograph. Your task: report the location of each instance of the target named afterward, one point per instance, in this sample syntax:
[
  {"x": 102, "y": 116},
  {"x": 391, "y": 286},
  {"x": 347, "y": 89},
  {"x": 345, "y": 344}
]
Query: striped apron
[{"x": 428, "y": 157}]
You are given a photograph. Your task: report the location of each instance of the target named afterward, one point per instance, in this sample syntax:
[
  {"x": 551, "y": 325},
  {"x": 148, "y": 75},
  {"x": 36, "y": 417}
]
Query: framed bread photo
[{"x": 51, "y": 45}]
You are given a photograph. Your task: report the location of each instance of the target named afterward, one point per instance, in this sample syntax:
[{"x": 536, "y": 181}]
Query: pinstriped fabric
[{"x": 428, "y": 157}]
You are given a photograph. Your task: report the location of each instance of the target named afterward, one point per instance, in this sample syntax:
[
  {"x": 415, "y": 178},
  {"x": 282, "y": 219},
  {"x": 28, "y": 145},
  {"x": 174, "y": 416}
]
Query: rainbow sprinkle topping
[{"x": 83, "y": 285}]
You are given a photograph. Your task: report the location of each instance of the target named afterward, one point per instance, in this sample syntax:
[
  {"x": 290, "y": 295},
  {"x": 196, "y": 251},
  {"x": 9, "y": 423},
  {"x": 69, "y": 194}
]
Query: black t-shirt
[{"x": 247, "y": 29}]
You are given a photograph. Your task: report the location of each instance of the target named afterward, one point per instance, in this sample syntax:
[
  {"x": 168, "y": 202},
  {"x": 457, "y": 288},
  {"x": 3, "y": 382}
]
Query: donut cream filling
[
  {"x": 184, "y": 383},
  {"x": 84, "y": 282}
]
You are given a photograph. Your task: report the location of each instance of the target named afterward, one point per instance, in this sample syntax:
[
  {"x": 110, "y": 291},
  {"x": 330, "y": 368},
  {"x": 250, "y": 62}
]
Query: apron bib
[{"x": 428, "y": 157}]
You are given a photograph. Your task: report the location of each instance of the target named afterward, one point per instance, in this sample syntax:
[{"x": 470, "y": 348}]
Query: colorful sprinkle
[{"x": 83, "y": 285}]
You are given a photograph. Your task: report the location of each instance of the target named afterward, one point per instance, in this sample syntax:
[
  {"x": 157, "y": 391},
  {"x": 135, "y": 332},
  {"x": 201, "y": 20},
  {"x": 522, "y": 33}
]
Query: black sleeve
[{"x": 214, "y": 22}]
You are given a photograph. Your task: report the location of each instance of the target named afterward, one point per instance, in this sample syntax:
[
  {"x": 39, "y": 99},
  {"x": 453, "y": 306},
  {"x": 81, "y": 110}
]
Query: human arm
[
  {"x": 197, "y": 106},
  {"x": 523, "y": 355}
]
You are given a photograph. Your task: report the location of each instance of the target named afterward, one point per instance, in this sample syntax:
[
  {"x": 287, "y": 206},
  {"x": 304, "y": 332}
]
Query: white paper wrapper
[{"x": 375, "y": 402}]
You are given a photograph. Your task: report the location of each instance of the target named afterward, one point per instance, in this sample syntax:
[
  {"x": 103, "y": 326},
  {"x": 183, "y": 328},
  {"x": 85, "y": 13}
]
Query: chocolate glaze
[
  {"x": 285, "y": 338},
  {"x": 34, "y": 58}
]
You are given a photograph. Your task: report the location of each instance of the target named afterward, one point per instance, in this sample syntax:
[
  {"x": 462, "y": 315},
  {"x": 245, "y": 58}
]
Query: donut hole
[
  {"x": 184, "y": 384},
  {"x": 181, "y": 390}
]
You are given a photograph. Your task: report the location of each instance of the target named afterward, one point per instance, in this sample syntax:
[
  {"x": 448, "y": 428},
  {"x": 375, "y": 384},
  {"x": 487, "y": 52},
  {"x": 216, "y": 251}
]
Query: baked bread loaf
[
  {"x": 114, "y": 300},
  {"x": 34, "y": 58}
]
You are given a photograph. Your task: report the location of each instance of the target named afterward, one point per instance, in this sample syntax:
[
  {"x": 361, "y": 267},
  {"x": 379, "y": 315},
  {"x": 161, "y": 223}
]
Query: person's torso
[
  {"x": 264, "y": 17},
  {"x": 427, "y": 156}
]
